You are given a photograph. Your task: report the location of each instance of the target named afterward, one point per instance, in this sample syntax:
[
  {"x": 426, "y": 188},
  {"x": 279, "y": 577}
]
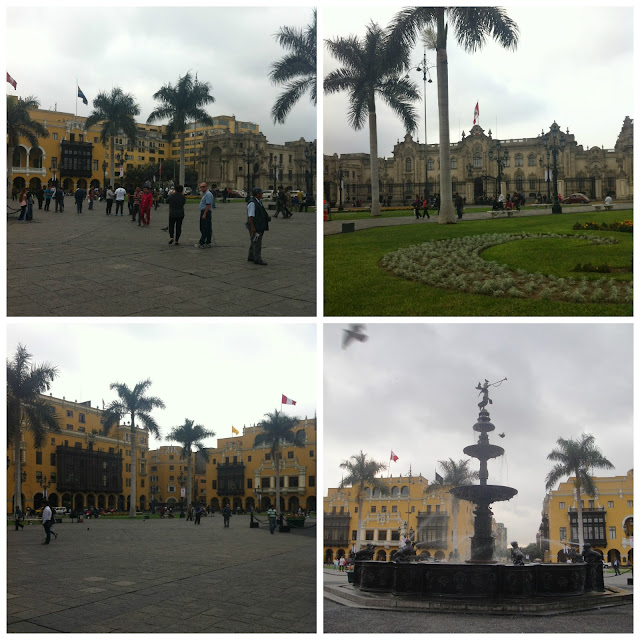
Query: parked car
[
  {"x": 576, "y": 198},
  {"x": 268, "y": 194},
  {"x": 59, "y": 511},
  {"x": 237, "y": 193}
]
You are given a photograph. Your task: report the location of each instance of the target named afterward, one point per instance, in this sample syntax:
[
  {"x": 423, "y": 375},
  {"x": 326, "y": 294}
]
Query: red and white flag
[
  {"x": 11, "y": 81},
  {"x": 476, "y": 114},
  {"x": 286, "y": 400},
  {"x": 393, "y": 457}
]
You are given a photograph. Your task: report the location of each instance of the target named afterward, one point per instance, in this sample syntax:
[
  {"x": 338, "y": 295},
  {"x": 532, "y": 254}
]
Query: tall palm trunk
[
  {"x": 189, "y": 480},
  {"x": 580, "y": 529},
  {"x": 276, "y": 462},
  {"x": 358, "y": 534},
  {"x": 446, "y": 215},
  {"x": 455, "y": 505},
  {"x": 112, "y": 163},
  {"x": 373, "y": 158},
  {"x": 134, "y": 462},
  {"x": 17, "y": 473},
  {"x": 9, "y": 169},
  {"x": 182, "y": 168}
]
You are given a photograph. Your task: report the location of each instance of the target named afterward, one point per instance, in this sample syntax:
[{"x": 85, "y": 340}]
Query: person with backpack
[
  {"x": 281, "y": 202},
  {"x": 272, "y": 515},
  {"x": 257, "y": 223},
  {"x": 47, "y": 516},
  {"x": 18, "y": 517}
]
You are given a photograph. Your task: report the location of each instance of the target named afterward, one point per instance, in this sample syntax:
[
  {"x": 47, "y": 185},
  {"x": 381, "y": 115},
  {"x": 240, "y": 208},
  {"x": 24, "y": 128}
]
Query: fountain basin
[
  {"x": 432, "y": 580},
  {"x": 484, "y": 494},
  {"x": 484, "y": 451}
]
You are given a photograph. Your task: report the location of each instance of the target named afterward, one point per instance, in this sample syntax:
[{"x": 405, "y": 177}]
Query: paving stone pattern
[
  {"x": 91, "y": 264},
  {"x": 165, "y": 576}
]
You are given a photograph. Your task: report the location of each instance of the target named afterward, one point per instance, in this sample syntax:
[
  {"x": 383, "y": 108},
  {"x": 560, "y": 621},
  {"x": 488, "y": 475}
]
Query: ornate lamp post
[
  {"x": 104, "y": 173},
  {"x": 424, "y": 68},
  {"x": 271, "y": 181},
  {"x": 554, "y": 141},
  {"x": 44, "y": 484},
  {"x": 249, "y": 156},
  {"x": 182, "y": 481},
  {"x": 501, "y": 160},
  {"x": 340, "y": 177},
  {"x": 310, "y": 156},
  {"x": 259, "y": 495}
]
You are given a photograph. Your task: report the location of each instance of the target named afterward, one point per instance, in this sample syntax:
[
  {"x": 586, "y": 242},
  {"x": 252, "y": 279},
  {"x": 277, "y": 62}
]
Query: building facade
[
  {"x": 607, "y": 520},
  {"x": 594, "y": 171},
  {"x": 79, "y": 467},
  {"x": 241, "y": 472},
  {"x": 229, "y": 153},
  {"x": 411, "y": 507}
]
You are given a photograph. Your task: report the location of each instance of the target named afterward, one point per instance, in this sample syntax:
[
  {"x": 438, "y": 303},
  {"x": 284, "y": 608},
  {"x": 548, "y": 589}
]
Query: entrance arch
[
  {"x": 237, "y": 503},
  {"x": 143, "y": 503},
  {"x": 215, "y": 504},
  {"x": 111, "y": 501},
  {"x": 381, "y": 556},
  {"x": 67, "y": 500},
  {"x": 82, "y": 183},
  {"x": 294, "y": 503},
  {"x": 311, "y": 504},
  {"x": 265, "y": 503},
  {"x": 102, "y": 501},
  {"x": 79, "y": 502},
  {"x": 120, "y": 502},
  {"x": 328, "y": 556},
  {"x": 38, "y": 501},
  {"x": 91, "y": 500},
  {"x": 439, "y": 555},
  {"x": 53, "y": 499},
  {"x": 34, "y": 183},
  {"x": 249, "y": 504},
  {"x": 19, "y": 183}
]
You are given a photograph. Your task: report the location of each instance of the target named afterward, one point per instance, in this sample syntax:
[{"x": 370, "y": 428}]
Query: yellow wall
[
  {"x": 615, "y": 499},
  {"x": 395, "y": 515}
]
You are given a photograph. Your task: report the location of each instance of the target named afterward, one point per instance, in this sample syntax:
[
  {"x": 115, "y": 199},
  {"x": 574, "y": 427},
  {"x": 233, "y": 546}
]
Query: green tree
[
  {"x": 471, "y": 27},
  {"x": 277, "y": 432},
  {"x": 182, "y": 105},
  {"x": 134, "y": 404},
  {"x": 115, "y": 112},
  {"x": 372, "y": 67},
  {"x": 191, "y": 435},
  {"x": 361, "y": 473},
  {"x": 297, "y": 68},
  {"x": 20, "y": 125},
  {"x": 27, "y": 409},
  {"x": 577, "y": 458},
  {"x": 456, "y": 474}
]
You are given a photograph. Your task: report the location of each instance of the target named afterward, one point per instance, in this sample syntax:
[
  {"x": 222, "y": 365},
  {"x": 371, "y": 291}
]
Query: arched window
[
  {"x": 367, "y": 492},
  {"x": 376, "y": 492},
  {"x": 407, "y": 164},
  {"x": 394, "y": 492},
  {"x": 454, "y": 163},
  {"x": 404, "y": 491},
  {"x": 477, "y": 161},
  {"x": 430, "y": 164},
  {"x": 532, "y": 160},
  {"x": 519, "y": 160},
  {"x": 519, "y": 183}
]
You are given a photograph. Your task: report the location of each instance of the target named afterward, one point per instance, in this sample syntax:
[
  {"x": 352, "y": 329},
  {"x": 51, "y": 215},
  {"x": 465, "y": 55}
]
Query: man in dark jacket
[
  {"x": 79, "y": 196},
  {"x": 257, "y": 224}
]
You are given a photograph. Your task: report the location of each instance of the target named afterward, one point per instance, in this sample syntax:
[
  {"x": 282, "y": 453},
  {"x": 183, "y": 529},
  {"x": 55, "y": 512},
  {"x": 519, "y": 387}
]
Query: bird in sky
[
  {"x": 354, "y": 332},
  {"x": 501, "y": 435}
]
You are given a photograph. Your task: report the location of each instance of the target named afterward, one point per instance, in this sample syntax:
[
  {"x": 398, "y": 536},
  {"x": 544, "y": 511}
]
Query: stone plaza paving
[
  {"x": 161, "y": 575},
  {"x": 91, "y": 264}
]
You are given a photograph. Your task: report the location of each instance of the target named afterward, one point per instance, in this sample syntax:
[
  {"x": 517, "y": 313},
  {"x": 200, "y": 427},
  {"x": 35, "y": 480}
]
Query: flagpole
[{"x": 76, "y": 97}]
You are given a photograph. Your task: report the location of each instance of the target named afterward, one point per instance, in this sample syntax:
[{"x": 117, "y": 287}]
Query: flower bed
[
  {"x": 457, "y": 264},
  {"x": 625, "y": 227}
]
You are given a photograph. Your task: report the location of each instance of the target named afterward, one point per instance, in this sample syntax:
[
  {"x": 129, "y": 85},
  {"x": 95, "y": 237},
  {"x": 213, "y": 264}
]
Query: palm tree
[
  {"x": 297, "y": 68},
  {"x": 278, "y": 430},
  {"x": 372, "y": 67},
  {"x": 361, "y": 473},
  {"x": 25, "y": 407},
  {"x": 182, "y": 104},
  {"x": 577, "y": 458},
  {"x": 20, "y": 125},
  {"x": 191, "y": 435},
  {"x": 137, "y": 406},
  {"x": 471, "y": 27},
  {"x": 456, "y": 474},
  {"x": 116, "y": 112}
]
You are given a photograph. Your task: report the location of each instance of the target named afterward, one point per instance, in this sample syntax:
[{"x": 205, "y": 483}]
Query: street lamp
[
  {"x": 44, "y": 484},
  {"x": 182, "y": 482},
  {"x": 340, "y": 178},
  {"x": 259, "y": 495},
  {"x": 310, "y": 156},
  {"x": 501, "y": 160},
  {"x": 424, "y": 67},
  {"x": 554, "y": 141},
  {"x": 249, "y": 156},
  {"x": 104, "y": 173}
]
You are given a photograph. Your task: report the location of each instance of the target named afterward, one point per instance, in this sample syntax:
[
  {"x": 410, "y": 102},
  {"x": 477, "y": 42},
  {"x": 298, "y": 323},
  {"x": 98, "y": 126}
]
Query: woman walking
[
  {"x": 110, "y": 195},
  {"x": 22, "y": 201},
  {"x": 176, "y": 213},
  {"x": 145, "y": 207}
]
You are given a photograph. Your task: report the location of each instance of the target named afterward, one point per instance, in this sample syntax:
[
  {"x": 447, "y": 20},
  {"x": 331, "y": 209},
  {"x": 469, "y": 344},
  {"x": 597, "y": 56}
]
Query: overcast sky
[
  {"x": 219, "y": 375},
  {"x": 141, "y": 49},
  {"x": 573, "y": 64},
  {"x": 411, "y": 389}
]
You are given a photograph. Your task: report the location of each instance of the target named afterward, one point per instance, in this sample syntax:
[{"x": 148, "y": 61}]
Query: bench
[
  {"x": 509, "y": 212},
  {"x": 607, "y": 207}
]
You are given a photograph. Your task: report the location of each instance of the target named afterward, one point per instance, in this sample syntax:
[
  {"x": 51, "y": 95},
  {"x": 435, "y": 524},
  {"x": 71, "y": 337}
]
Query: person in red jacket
[{"x": 145, "y": 206}]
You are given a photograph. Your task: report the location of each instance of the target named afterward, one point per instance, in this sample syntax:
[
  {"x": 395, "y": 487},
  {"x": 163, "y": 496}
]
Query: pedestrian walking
[
  {"x": 616, "y": 567},
  {"x": 79, "y": 197},
  {"x": 18, "y": 517},
  {"x": 120, "y": 193},
  {"x": 137, "y": 201},
  {"x": 281, "y": 202},
  {"x": 272, "y": 515},
  {"x": 40, "y": 196},
  {"x": 457, "y": 198},
  {"x": 22, "y": 202},
  {"x": 198, "y": 514},
  {"x": 92, "y": 197},
  {"x": 226, "y": 514},
  {"x": 110, "y": 195},
  {"x": 46, "y": 521},
  {"x": 48, "y": 194},
  {"x": 29, "y": 214},
  {"x": 146, "y": 202},
  {"x": 176, "y": 202},
  {"x": 59, "y": 197},
  {"x": 416, "y": 207},
  {"x": 343, "y": 562},
  {"x": 206, "y": 204},
  {"x": 257, "y": 224},
  {"x": 190, "y": 512},
  {"x": 425, "y": 209}
]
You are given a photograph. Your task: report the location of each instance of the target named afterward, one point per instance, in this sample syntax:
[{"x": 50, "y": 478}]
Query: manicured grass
[{"x": 355, "y": 284}]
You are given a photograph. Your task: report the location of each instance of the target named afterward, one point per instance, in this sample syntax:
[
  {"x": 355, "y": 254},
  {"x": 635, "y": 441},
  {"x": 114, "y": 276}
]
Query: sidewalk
[
  {"x": 169, "y": 576},
  {"x": 90, "y": 264}
]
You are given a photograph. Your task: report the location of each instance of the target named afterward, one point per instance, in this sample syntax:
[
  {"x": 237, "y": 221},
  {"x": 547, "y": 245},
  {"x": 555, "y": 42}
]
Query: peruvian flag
[
  {"x": 394, "y": 457},
  {"x": 476, "y": 114},
  {"x": 286, "y": 400},
  {"x": 11, "y": 81}
]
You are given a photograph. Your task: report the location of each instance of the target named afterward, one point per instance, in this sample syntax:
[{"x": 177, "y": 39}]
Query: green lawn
[{"x": 356, "y": 285}]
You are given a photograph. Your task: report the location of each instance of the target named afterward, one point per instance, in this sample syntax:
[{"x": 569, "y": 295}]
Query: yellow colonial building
[
  {"x": 241, "y": 472},
  {"x": 229, "y": 153},
  {"x": 78, "y": 467},
  {"x": 412, "y": 508},
  {"x": 607, "y": 518}
]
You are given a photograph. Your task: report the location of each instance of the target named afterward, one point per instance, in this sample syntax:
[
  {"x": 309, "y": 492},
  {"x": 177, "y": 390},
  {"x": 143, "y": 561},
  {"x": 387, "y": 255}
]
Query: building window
[
  {"x": 430, "y": 164},
  {"x": 382, "y": 535},
  {"x": 172, "y": 488},
  {"x": 394, "y": 508},
  {"x": 519, "y": 160},
  {"x": 373, "y": 508},
  {"x": 81, "y": 429},
  {"x": 171, "y": 478},
  {"x": 437, "y": 508},
  {"x": 561, "y": 505},
  {"x": 591, "y": 504},
  {"x": 38, "y": 476},
  {"x": 311, "y": 453},
  {"x": 69, "y": 414},
  {"x": 290, "y": 454},
  {"x": 354, "y": 535},
  {"x": 248, "y": 458},
  {"x": 267, "y": 456},
  {"x": 610, "y": 504},
  {"x": 368, "y": 534},
  {"x": 293, "y": 481},
  {"x": 249, "y": 483},
  {"x": 54, "y": 477},
  {"x": 171, "y": 467},
  {"x": 532, "y": 160},
  {"x": 53, "y": 459},
  {"x": 54, "y": 136},
  {"x": 428, "y": 509},
  {"x": 563, "y": 533},
  {"x": 477, "y": 161},
  {"x": 53, "y": 441},
  {"x": 612, "y": 533},
  {"x": 454, "y": 163},
  {"x": 312, "y": 481},
  {"x": 629, "y": 503},
  {"x": 383, "y": 509},
  {"x": 407, "y": 164},
  {"x": 214, "y": 484},
  {"x": 38, "y": 457},
  {"x": 395, "y": 535},
  {"x": 264, "y": 483},
  {"x": 54, "y": 161}
]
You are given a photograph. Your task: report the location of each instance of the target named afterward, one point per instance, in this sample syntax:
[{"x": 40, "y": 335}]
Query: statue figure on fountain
[
  {"x": 516, "y": 554},
  {"x": 404, "y": 554},
  {"x": 366, "y": 553},
  {"x": 589, "y": 555},
  {"x": 484, "y": 390}
]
